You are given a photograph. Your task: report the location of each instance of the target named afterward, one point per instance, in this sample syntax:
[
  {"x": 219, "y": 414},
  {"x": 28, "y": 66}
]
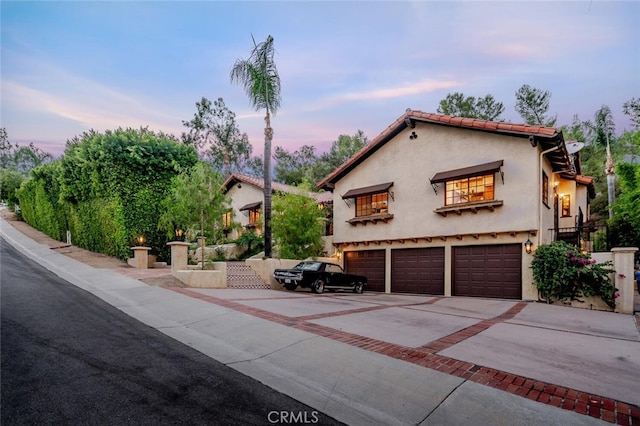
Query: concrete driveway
[
  {"x": 543, "y": 352},
  {"x": 392, "y": 358}
]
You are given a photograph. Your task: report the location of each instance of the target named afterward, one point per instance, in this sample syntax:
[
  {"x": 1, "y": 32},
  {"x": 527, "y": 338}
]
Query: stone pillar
[
  {"x": 179, "y": 255},
  {"x": 141, "y": 257},
  {"x": 623, "y": 278}
]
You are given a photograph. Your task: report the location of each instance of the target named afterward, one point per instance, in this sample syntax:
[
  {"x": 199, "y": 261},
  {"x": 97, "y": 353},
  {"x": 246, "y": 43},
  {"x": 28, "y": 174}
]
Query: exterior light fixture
[
  {"x": 141, "y": 239},
  {"x": 528, "y": 246},
  {"x": 179, "y": 233}
]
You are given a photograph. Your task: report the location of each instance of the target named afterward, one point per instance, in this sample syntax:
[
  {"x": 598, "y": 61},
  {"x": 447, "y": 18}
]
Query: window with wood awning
[
  {"x": 472, "y": 187},
  {"x": 372, "y": 202},
  {"x": 254, "y": 212}
]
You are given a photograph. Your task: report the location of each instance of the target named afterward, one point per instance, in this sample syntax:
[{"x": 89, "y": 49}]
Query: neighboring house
[
  {"x": 444, "y": 205},
  {"x": 247, "y": 195}
]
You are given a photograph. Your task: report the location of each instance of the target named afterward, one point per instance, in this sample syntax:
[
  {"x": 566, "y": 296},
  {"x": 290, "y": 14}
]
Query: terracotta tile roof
[
  {"x": 320, "y": 197},
  {"x": 547, "y": 135},
  {"x": 588, "y": 181}
]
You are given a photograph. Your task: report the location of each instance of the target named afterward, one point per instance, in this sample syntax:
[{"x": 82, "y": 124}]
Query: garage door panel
[
  {"x": 488, "y": 271},
  {"x": 418, "y": 270},
  {"x": 369, "y": 263}
]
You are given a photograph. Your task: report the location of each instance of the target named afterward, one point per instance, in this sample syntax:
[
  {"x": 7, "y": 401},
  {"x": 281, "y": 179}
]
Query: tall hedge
[
  {"x": 106, "y": 189},
  {"x": 38, "y": 198}
]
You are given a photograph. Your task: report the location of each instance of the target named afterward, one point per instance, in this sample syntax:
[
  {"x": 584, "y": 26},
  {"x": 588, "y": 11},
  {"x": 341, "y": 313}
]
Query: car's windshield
[{"x": 308, "y": 266}]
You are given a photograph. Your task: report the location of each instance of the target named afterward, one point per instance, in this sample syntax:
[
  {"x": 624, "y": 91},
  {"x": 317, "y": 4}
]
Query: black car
[{"x": 319, "y": 276}]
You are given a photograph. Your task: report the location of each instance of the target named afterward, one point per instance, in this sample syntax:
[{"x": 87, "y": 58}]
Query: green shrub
[
  {"x": 563, "y": 273},
  {"x": 10, "y": 181},
  {"x": 297, "y": 225},
  {"x": 106, "y": 189}
]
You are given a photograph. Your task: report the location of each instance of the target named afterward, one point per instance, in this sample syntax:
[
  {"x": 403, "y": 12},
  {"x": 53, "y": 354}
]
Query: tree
[
  {"x": 293, "y": 168},
  {"x": 28, "y": 157},
  {"x": 628, "y": 144},
  {"x": 195, "y": 201},
  {"x": 297, "y": 225},
  {"x": 602, "y": 130},
  {"x": 344, "y": 148},
  {"x": 10, "y": 181},
  {"x": 21, "y": 158},
  {"x": 253, "y": 167},
  {"x": 576, "y": 131},
  {"x": 625, "y": 225},
  {"x": 304, "y": 165},
  {"x": 6, "y": 150},
  {"x": 259, "y": 77},
  {"x": 632, "y": 109},
  {"x": 532, "y": 105},
  {"x": 214, "y": 125},
  {"x": 456, "y": 104},
  {"x": 112, "y": 185}
]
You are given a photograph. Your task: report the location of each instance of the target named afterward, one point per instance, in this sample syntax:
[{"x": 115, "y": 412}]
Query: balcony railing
[{"x": 592, "y": 238}]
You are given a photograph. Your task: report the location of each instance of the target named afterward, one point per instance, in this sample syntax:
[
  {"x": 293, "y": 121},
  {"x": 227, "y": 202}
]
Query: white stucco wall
[
  {"x": 242, "y": 196},
  {"x": 410, "y": 163}
]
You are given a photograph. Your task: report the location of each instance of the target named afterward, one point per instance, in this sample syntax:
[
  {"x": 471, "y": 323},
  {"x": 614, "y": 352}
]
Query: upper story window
[
  {"x": 469, "y": 189},
  {"x": 366, "y": 205},
  {"x": 477, "y": 188},
  {"x": 371, "y": 203},
  {"x": 545, "y": 189}
]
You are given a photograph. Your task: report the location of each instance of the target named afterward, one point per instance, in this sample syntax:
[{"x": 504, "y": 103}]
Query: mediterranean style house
[
  {"x": 454, "y": 206},
  {"x": 247, "y": 195}
]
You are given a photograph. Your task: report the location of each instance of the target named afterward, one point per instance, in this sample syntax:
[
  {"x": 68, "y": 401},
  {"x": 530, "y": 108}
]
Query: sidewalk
[{"x": 393, "y": 359}]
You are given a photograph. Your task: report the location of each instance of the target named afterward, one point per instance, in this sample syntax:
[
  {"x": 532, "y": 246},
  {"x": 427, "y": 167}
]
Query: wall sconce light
[
  {"x": 141, "y": 239},
  {"x": 528, "y": 245},
  {"x": 413, "y": 136},
  {"x": 239, "y": 185}
]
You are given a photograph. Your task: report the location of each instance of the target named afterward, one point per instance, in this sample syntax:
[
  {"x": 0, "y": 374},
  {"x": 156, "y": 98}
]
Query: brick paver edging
[{"x": 610, "y": 410}]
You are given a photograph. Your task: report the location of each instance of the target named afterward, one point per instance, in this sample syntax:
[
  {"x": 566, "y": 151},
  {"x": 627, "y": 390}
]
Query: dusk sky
[{"x": 68, "y": 67}]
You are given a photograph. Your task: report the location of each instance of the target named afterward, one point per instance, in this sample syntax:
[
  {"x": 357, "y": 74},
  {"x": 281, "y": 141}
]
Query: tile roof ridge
[
  {"x": 479, "y": 123},
  {"x": 461, "y": 122}
]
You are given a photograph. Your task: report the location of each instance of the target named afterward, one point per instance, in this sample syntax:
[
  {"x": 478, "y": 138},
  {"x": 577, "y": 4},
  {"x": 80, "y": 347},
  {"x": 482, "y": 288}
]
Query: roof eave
[{"x": 534, "y": 133}]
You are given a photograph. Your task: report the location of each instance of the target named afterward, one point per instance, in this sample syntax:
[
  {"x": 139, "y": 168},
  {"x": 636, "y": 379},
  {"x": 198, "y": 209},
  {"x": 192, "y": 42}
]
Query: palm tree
[{"x": 259, "y": 77}]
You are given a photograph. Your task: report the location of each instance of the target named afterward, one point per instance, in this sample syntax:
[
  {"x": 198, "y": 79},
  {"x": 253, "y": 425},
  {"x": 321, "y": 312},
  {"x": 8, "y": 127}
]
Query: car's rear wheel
[
  {"x": 358, "y": 288},
  {"x": 318, "y": 287}
]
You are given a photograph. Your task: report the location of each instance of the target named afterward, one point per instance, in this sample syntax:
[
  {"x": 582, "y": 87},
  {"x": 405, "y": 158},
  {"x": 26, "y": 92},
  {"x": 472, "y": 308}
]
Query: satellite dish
[{"x": 574, "y": 146}]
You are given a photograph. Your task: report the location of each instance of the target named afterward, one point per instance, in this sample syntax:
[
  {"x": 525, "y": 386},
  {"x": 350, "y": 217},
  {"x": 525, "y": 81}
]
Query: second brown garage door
[
  {"x": 488, "y": 271},
  {"x": 369, "y": 263},
  {"x": 418, "y": 270}
]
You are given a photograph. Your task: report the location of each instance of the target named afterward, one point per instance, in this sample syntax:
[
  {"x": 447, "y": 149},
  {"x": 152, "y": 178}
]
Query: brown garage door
[
  {"x": 418, "y": 270},
  {"x": 369, "y": 263},
  {"x": 488, "y": 271}
]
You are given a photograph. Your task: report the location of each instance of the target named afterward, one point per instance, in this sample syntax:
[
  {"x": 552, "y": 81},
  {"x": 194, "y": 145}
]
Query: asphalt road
[{"x": 69, "y": 358}]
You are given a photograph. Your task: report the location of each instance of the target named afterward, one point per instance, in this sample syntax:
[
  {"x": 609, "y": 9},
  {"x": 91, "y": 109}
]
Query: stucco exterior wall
[
  {"x": 410, "y": 163},
  {"x": 545, "y": 236},
  {"x": 241, "y": 196}
]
